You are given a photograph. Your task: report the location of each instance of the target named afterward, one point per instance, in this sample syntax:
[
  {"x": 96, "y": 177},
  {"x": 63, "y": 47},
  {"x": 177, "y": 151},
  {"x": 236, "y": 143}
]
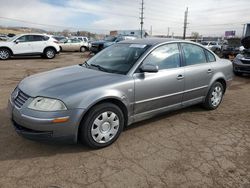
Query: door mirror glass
[{"x": 149, "y": 68}]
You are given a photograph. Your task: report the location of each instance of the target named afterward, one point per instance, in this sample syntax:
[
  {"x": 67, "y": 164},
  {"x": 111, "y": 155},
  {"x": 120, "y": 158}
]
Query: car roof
[{"x": 150, "y": 41}]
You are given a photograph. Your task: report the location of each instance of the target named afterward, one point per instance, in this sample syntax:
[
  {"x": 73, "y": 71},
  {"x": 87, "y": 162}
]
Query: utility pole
[
  {"x": 243, "y": 32},
  {"x": 142, "y": 16},
  {"x": 185, "y": 23}
]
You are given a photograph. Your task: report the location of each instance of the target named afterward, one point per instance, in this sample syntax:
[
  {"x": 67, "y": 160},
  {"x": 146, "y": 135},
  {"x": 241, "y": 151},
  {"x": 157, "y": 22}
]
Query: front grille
[
  {"x": 245, "y": 61},
  {"x": 20, "y": 99}
]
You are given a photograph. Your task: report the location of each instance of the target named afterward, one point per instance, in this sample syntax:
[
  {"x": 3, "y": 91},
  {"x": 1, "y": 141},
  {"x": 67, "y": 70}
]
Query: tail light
[{"x": 55, "y": 41}]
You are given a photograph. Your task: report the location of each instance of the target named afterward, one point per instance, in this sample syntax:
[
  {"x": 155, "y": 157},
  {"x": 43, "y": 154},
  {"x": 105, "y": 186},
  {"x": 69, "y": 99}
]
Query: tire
[
  {"x": 83, "y": 49},
  {"x": 4, "y": 54},
  {"x": 102, "y": 125},
  {"x": 49, "y": 53},
  {"x": 214, "y": 96}
]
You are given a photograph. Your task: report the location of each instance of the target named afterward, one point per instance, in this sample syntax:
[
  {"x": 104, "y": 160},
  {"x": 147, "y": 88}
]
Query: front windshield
[
  {"x": 13, "y": 38},
  {"x": 118, "y": 58}
]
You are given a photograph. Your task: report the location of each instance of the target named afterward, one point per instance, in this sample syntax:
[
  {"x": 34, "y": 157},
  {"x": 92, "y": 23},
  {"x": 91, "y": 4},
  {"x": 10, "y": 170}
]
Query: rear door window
[
  {"x": 193, "y": 54},
  {"x": 210, "y": 56}
]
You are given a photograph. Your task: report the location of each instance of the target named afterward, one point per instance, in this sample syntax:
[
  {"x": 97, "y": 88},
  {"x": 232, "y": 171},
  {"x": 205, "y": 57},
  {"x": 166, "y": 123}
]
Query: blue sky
[{"x": 208, "y": 17}]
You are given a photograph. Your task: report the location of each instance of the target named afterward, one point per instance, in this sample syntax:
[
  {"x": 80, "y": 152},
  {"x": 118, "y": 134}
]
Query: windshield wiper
[
  {"x": 86, "y": 64},
  {"x": 99, "y": 67}
]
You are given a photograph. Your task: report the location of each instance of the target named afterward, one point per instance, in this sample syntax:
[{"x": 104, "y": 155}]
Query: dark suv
[{"x": 241, "y": 63}]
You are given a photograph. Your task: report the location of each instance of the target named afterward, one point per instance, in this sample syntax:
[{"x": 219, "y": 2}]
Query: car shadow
[
  {"x": 26, "y": 57},
  {"x": 164, "y": 115},
  {"x": 14, "y": 147}
]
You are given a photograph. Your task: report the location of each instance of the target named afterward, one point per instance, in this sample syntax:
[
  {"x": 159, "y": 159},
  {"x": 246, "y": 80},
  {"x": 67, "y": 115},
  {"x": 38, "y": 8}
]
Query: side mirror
[
  {"x": 17, "y": 41},
  {"x": 149, "y": 68}
]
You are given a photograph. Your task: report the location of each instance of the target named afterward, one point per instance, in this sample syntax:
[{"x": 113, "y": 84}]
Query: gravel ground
[{"x": 187, "y": 148}]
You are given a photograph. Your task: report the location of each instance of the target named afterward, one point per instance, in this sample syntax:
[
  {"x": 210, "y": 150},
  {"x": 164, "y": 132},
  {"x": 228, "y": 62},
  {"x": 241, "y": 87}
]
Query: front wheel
[
  {"x": 4, "y": 54},
  {"x": 49, "y": 53},
  {"x": 214, "y": 96},
  {"x": 102, "y": 125}
]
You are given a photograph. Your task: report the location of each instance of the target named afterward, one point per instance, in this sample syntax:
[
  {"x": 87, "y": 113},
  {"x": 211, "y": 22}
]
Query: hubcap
[
  {"x": 105, "y": 127},
  {"x": 82, "y": 49},
  {"x": 216, "y": 96},
  {"x": 4, "y": 54},
  {"x": 50, "y": 54}
]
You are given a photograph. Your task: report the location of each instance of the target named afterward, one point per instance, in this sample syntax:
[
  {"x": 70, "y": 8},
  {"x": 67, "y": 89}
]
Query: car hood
[
  {"x": 63, "y": 82},
  {"x": 99, "y": 42},
  {"x": 3, "y": 43}
]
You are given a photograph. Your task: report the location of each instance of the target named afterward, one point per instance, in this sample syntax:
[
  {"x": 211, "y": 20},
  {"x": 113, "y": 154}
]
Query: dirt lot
[{"x": 188, "y": 148}]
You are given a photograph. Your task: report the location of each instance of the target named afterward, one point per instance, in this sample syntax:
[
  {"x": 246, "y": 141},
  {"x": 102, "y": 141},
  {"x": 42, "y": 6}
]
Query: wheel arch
[
  {"x": 5, "y": 47},
  {"x": 113, "y": 100},
  {"x": 49, "y": 47}
]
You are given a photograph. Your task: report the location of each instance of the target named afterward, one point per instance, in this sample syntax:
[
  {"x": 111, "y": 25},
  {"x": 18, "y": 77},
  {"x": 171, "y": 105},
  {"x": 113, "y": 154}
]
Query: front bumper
[
  {"x": 37, "y": 125},
  {"x": 241, "y": 67}
]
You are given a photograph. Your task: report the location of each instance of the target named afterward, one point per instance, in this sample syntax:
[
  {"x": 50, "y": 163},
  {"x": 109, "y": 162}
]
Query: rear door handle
[{"x": 180, "y": 77}]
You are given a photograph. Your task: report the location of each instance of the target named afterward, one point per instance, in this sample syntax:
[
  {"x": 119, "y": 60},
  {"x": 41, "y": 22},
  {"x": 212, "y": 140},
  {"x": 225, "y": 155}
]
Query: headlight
[{"x": 46, "y": 104}]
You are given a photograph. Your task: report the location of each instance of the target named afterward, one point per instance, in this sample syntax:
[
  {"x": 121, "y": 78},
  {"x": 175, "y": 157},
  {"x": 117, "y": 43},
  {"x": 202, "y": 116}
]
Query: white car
[{"x": 29, "y": 44}]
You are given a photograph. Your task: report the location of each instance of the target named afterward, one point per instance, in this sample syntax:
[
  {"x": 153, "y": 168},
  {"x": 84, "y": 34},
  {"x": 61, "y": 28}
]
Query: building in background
[{"x": 136, "y": 33}]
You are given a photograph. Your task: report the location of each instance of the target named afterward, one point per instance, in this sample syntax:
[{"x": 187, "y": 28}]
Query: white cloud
[{"x": 208, "y": 17}]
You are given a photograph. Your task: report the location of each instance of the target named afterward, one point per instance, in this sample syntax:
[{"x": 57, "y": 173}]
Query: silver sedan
[
  {"x": 73, "y": 45},
  {"x": 125, "y": 83}
]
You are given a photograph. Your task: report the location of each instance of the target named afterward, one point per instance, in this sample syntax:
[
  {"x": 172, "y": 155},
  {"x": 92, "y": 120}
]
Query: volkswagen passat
[{"x": 125, "y": 83}]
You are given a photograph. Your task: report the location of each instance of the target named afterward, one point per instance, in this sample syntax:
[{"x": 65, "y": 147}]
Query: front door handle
[
  {"x": 180, "y": 77},
  {"x": 209, "y": 71}
]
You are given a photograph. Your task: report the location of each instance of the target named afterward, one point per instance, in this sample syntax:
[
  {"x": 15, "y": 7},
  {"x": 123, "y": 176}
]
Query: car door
[
  {"x": 198, "y": 73},
  {"x": 66, "y": 46},
  {"x": 22, "y": 45},
  {"x": 164, "y": 89},
  {"x": 76, "y": 44},
  {"x": 38, "y": 43}
]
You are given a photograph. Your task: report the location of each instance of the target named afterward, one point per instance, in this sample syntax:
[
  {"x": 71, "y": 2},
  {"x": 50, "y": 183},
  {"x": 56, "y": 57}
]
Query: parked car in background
[
  {"x": 214, "y": 46},
  {"x": 3, "y": 37},
  {"x": 59, "y": 38},
  {"x": 241, "y": 64},
  {"x": 84, "y": 39},
  {"x": 231, "y": 47},
  {"x": 73, "y": 44},
  {"x": 125, "y": 83},
  {"x": 97, "y": 46},
  {"x": 29, "y": 45}
]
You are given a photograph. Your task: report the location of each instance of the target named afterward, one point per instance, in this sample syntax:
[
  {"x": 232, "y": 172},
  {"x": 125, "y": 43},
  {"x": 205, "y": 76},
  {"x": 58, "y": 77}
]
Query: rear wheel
[
  {"x": 49, "y": 53},
  {"x": 214, "y": 96},
  {"x": 83, "y": 49},
  {"x": 102, "y": 125},
  {"x": 4, "y": 54}
]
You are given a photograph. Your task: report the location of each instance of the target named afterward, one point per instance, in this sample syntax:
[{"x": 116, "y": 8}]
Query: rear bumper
[{"x": 39, "y": 126}]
